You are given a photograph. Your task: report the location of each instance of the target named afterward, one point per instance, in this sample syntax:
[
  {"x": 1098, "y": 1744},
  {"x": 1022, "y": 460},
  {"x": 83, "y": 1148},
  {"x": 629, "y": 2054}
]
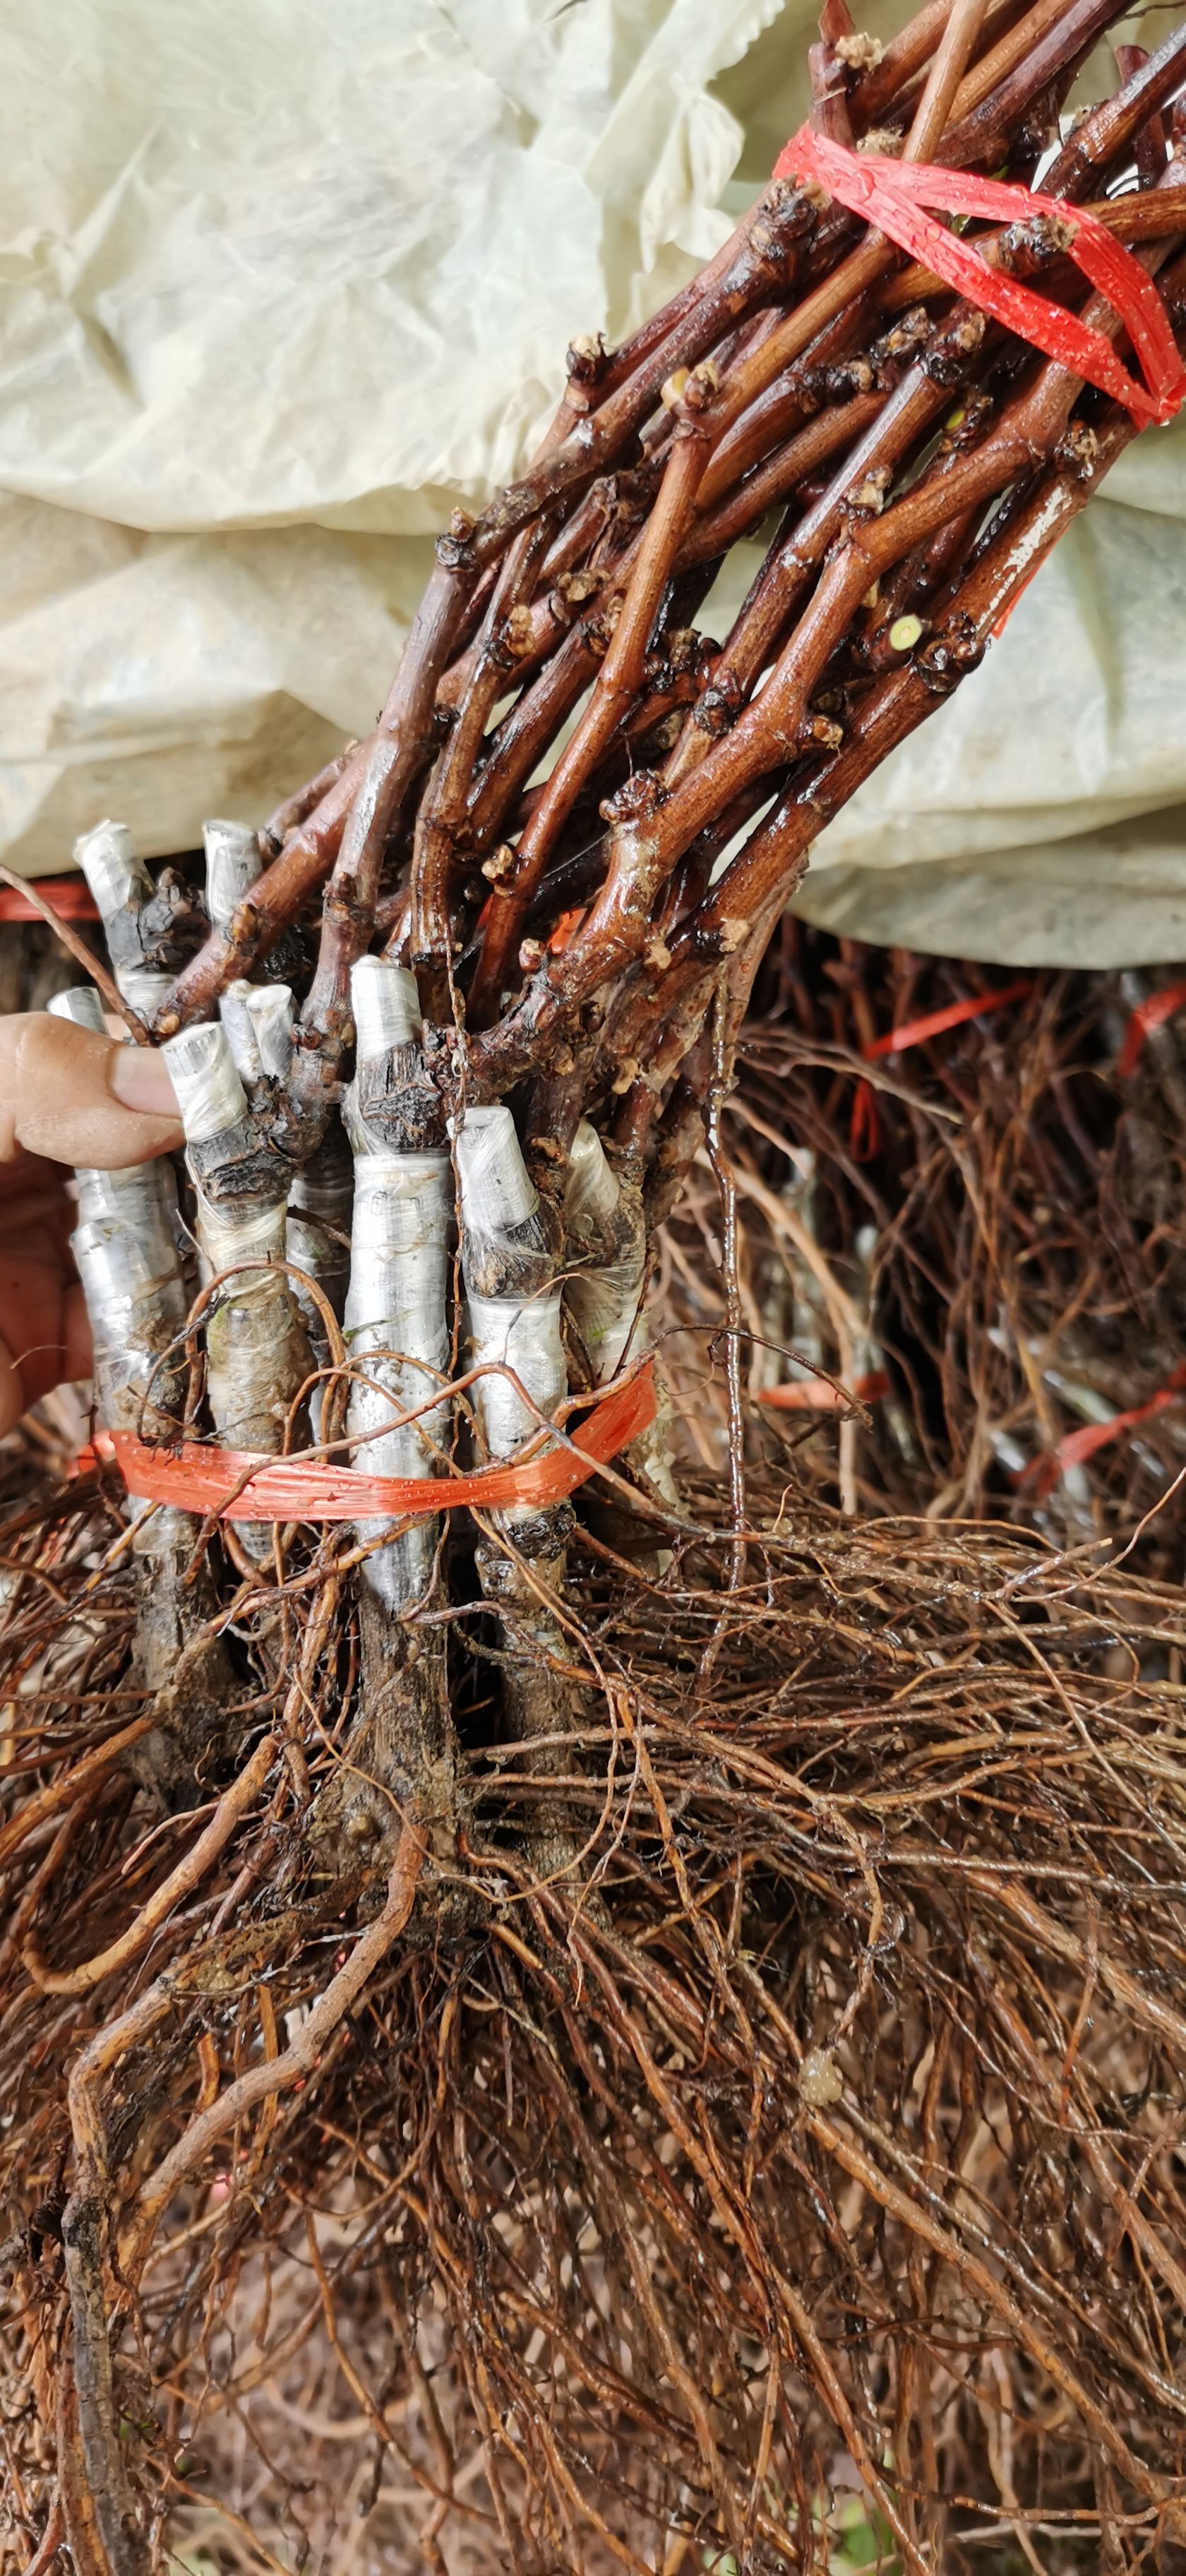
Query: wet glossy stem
[{"x": 719, "y": 1088}]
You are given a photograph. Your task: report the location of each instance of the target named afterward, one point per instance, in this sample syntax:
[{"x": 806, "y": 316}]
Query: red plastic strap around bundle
[
  {"x": 197, "y": 1479},
  {"x": 69, "y": 897},
  {"x": 1079, "y": 1446},
  {"x": 893, "y": 194},
  {"x": 818, "y": 1395},
  {"x": 864, "y": 1132},
  {"x": 1147, "y": 1015}
]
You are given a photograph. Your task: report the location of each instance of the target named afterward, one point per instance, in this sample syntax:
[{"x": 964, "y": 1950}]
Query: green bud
[{"x": 904, "y": 633}]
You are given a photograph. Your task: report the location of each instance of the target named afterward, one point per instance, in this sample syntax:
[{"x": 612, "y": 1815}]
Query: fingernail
[{"x": 140, "y": 1079}]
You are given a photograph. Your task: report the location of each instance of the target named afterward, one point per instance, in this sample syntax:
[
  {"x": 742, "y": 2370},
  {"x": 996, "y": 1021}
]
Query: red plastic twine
[
  {"x": 240, "y": 1485},
  {"x": 1078, "y": 1446},
  {"x": 916, "y": 1032},
  {"x": 818, "y": 1395},
  {"x": 70, "y": 897},
  {"x": 893, "y": 194},
  {"x": 864, "y": 1134},
  {"x": 1147, "y": 1015}
]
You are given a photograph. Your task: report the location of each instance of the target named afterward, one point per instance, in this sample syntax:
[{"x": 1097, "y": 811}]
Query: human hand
[{"x": 67, "y": 1097}]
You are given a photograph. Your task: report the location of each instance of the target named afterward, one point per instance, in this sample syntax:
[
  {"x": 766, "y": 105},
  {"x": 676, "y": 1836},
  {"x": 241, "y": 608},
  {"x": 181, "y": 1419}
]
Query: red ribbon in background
[
  {"x": 1149, "y": 1015},
  {"x": 1078, "y": 1446},
  {"x": 864, "y": 1134},
  {"x": 818, "y": 1395},
  {"x": 69, "y": 896},
  {"x": 893, "y": 195}
]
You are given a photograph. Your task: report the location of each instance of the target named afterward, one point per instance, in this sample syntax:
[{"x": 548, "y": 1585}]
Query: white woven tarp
[{"x": 280, "y": 282}]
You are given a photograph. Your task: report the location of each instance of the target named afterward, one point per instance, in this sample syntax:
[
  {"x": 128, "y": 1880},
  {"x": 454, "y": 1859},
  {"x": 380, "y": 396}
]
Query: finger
[{"x": 79, "y": 1098}]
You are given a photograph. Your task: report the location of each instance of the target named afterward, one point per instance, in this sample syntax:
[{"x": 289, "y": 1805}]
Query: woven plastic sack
[{"x": 280, "y": 284}]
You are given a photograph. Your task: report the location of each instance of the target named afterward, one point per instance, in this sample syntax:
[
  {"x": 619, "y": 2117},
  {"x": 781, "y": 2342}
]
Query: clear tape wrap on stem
[
  {"x": 233, "y": 863},
  {"x": 258, "y": 1021},
  {"x": 320, "y": 1210},
  {"x": 122, "y": 886},
  {"x": 603, "y": 1298},
  {"x": 514, "y": 1309},
  {"x": 125, "y": 1253},
  {"x": 526, "y": 1338},
  {"x": 210, "y": 1095},
  {"x": 386, "y": 1003},
  {"x": 257, "y": 1356},
  {"x": 256, "y": 1352},
  {"x": 113, "y": 868},
  {"x": 397, "y": 1331}
]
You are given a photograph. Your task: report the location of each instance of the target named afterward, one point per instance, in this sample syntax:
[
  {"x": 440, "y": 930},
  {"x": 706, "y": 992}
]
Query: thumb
[{"x": 80, "y": 1098}]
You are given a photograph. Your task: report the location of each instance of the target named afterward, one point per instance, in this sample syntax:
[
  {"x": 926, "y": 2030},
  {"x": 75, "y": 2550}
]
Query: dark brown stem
[
  {"x": 1154, "y": 217},
  {"x": 900, "y": 704},
  {"x": 1149, "y": 143},
  {"x": 764, "y": 253},
  {"x": 943, "y": 80},
  {"x": 1117, "y": 120},
  {"x": 779, "y": 476},
  {"x": 393, "y": 762},
  {"x": 268, "y": 909},
  {"x": 617, "y": 684},
  {"x": 781, "y": 409},
  {"x": 982, "y": 136},
  {"x": 442, "y": 817},
  {"x": 905, "y": 416}
]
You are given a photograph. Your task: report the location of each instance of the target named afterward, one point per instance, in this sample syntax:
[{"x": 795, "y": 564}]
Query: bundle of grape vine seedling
[{"x": 635, "y": 2022}]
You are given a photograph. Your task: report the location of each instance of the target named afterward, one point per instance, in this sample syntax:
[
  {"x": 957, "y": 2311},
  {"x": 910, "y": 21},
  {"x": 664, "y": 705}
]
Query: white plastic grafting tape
[
  {"x": 82, "y": 1005},
  {"x": 113, "y": 868},
  {"x": 233, "y": 863},
  {"x": 143, "y": 989},
  {"x": 125, "y": 1253},
  {"x": 592, "y": 1188},
  {"x": 250, "y": 1233},
  {"x": 602, "y": 1297},
  {"x": 258, "y": 1021},
  {"x": 396, "y": 1326},
  {"x": 399, "y": 1256},
  {"x": 210, "y": 1095},
  {"x": 272, "y": 1014},
  {"x": 386, "y": 1006},
  {"x": 604, "y": 1306},
  {"x": 497, "y": 1195},
  {"x": 525, "y": 1338},
  {"x": 124, "y": 1250},
  {"x": 240, "y": 1030}
]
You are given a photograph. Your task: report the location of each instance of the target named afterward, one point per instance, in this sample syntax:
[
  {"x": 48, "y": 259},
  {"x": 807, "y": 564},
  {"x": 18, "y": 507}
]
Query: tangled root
[{"x": 816, "y": 2159}]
